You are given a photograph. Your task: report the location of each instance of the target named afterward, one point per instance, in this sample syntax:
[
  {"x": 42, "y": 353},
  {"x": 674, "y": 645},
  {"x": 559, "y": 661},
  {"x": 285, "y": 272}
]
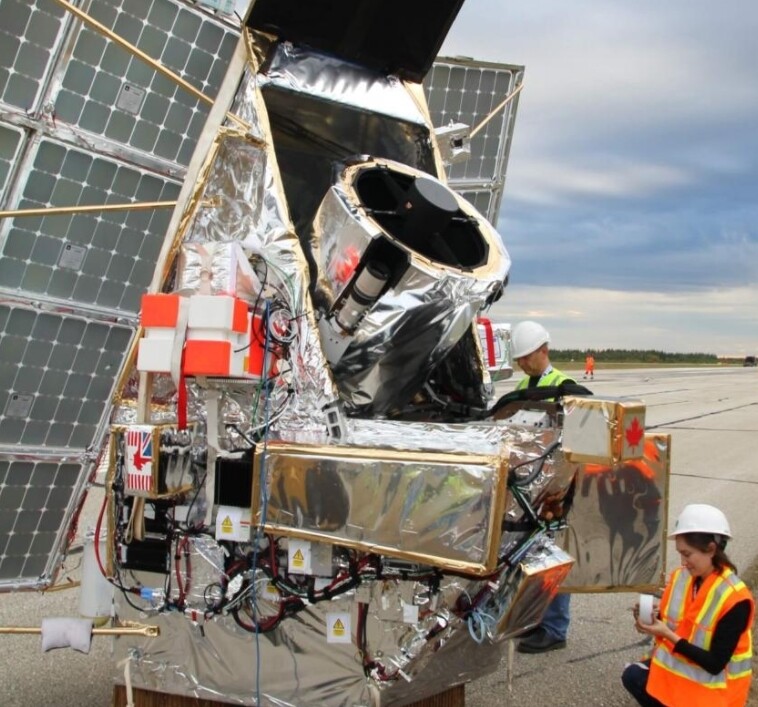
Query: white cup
[{"x": 646, "y": 608}]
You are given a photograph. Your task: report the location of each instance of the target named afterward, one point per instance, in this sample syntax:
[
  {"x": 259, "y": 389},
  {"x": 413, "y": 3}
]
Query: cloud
[
  {"x": 630, "y": 208},
  {"x": 545, "y": 182},
  {"x": 685, "y": 321}
]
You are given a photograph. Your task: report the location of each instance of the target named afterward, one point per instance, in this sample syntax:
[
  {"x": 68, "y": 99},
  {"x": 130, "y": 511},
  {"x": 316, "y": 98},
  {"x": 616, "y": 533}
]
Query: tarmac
[{"x": 712, "y": 415}]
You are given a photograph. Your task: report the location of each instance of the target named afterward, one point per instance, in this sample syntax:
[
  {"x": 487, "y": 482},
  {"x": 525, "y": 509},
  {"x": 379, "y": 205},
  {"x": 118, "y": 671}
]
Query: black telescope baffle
[
  {"x": 423, "y": 214},
  {"x": 429, "y": 208}
]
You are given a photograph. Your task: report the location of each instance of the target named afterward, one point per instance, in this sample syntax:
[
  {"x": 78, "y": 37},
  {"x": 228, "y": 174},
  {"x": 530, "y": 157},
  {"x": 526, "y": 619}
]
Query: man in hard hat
[{"x": 529, "y": 344}]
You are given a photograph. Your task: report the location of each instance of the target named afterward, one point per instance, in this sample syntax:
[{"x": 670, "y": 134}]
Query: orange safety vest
[{"x": 675, "y": 680}]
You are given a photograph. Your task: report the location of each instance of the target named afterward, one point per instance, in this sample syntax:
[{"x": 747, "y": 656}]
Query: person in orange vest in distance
[
  {"x": 702, "y": 647},
  {"x": 589, "y": 365}
]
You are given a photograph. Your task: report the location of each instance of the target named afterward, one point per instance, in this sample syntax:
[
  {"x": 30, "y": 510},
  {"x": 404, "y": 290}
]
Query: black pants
[{"x": 634, "y": 679}]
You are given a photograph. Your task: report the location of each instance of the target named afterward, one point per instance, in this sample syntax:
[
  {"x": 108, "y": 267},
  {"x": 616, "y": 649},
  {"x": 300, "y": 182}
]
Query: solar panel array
[
  {"x": 102, "y": 259},
  {"x": 106, "y": 91},
  {"x": 467, "y": 91},
  {"x": 84, "y": 122}
]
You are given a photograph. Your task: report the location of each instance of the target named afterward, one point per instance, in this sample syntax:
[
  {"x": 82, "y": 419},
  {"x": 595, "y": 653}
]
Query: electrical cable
[
  {"x": 264, "y": 510},
  {"x": 514, "y": 482}
]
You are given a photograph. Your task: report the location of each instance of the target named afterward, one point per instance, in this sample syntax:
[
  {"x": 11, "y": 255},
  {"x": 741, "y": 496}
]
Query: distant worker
[
  {"x": 702, "y": 649},
  {"x": 530, "y": 351},
  {"x": 589, "y": 366}
]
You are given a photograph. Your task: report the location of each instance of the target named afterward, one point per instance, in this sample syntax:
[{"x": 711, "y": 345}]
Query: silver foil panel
[
  {"x": 216, "y": 660},
  {"x": 527, "y": 589},
  {"x": 599, "y": 430},
  {"x": 300, "y": 70},
  {"x": 618, "y": 527},
  {"x": 436, "y": 508}
]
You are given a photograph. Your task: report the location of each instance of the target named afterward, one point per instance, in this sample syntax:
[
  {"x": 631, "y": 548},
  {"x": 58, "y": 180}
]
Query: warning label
[{"x": 338, "y": 629}]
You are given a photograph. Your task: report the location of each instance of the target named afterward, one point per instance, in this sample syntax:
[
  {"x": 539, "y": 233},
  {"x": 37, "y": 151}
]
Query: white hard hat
[
  {"x": 701, "y": 518},
  {"x": 528, "y": 336}
]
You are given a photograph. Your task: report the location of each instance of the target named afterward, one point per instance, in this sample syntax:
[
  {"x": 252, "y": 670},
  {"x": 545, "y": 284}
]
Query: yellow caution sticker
[{"x": 338, "y": 627}]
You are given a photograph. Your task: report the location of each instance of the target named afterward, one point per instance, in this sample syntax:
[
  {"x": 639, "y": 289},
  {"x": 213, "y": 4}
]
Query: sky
[{"x": 630, "y": 208}]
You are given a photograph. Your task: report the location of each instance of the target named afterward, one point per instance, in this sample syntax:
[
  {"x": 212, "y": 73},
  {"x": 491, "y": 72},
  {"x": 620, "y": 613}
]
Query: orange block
[
  {"x": 159, "y": 310},
  {"x": 255, "y": 354},
  {"x": 207, "y": 358},
  {"x": 239, "y": 323}
]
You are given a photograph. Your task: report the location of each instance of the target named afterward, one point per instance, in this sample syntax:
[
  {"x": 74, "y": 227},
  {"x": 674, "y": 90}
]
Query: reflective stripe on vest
[
  {"x": 724, "y": 588},
  {"x": 555, "y": 377},
  {"x": 706, "y": 620}
]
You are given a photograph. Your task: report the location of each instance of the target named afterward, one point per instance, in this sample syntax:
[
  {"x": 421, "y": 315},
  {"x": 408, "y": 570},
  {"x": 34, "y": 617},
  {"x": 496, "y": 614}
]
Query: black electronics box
[
  {"x": 234, "y": 480},
  {"x": 148, "y": 555}
]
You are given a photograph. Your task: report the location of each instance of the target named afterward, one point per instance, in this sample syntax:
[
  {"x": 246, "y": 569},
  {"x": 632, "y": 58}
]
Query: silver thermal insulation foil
[
  {"x": 618, "y": 526},
  {"x": 442, "y": 265},
  {"x": 216, "y": 660},
  {"x": 249, "y": 209},
  {"x": 535, "y": 463},
  {"x": 400, "y": 639},
  {"x": 322, "y": 110},
  {"x": 436, "y": 508},
  {"x": 413, "y": 640},
  {"x": 526, "y": 589},
  {"x": 300, "y": 70},
  {"x": 218, "y": 267}
]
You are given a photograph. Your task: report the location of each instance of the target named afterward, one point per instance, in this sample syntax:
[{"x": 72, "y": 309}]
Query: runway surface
[{"x": 712, "y": 415}]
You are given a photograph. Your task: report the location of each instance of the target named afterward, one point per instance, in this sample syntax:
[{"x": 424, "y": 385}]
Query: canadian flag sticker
[{"x": 139, "y": 459}]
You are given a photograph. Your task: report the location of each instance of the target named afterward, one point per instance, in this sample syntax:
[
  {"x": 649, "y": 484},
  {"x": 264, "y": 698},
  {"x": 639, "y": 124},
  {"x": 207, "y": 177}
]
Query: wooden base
[{"x": 454, "y": 697}]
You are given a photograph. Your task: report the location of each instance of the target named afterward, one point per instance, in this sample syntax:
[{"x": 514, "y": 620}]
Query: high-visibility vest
[
  {"x": 554, "y": 377},
  {"x": 675, "y": 680}
]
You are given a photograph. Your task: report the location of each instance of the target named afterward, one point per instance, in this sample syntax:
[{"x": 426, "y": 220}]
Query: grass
[{"x": 620, "y": 365}]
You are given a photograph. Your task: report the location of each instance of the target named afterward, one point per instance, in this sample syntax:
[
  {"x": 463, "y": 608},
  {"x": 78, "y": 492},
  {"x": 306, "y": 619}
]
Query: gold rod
[
  {"x": 151, "y": 631},
  {"x": 156, "y": 65},
  {"x": 70, "y": 584},
  {"x": 58, "y": 210},
  {"x": 90, "y": 208},
  {"x": 496, "y": 109}
]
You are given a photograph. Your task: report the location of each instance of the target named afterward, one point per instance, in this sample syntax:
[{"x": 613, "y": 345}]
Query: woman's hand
[{"x": 658, "y": 629}]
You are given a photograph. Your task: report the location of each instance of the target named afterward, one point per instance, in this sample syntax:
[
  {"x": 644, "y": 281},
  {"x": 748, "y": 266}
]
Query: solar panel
[
  {"x": 35, "y": 503},
  {"x": 56, "y": 378},
  {"x": 468, "y": 91},
  {"x": 30, "y": 33},
  {"x": 106, "y": 91},
  {"x": 84, "y": 123},
  {"x": 10, "y": 143},
  {"x": 103, "y": 259}
]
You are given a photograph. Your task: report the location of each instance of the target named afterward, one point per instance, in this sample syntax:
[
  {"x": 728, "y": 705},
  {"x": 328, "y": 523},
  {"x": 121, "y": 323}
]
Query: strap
[{"x": 540, "y": 392}]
